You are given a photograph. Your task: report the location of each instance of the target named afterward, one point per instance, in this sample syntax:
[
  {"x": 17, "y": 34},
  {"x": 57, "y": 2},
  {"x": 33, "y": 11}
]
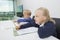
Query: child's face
[{"x": 39, "y": 18}]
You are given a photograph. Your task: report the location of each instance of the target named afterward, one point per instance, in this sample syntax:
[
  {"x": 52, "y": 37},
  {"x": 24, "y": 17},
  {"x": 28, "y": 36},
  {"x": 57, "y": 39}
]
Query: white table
[{"x": 6, "y": 32}]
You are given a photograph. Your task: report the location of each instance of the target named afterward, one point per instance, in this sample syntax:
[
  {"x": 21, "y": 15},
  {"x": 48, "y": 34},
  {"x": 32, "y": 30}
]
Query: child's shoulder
[{"x": 49, "y": 23}]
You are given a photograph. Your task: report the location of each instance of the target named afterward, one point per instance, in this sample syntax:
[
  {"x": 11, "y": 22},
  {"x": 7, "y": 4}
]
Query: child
[
  {"x": 46, "y": 24},
  {"x": 26, "y": 18}
]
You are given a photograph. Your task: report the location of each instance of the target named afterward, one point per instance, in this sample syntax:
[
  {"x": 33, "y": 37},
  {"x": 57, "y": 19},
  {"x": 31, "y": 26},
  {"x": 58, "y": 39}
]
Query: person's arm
[
  {"x": 47, "y": 30},
  {"x": 29, "y": 24}
]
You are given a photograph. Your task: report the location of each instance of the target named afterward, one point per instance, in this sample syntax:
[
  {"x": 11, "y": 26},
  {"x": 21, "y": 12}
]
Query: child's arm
[
  {"x": 29, "y": 24},
  {"x": 47, "y": 30}
]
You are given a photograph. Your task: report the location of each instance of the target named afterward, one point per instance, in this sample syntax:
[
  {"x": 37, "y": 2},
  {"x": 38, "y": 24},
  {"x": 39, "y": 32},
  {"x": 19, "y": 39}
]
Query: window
[{"x": 6, "y": 9}]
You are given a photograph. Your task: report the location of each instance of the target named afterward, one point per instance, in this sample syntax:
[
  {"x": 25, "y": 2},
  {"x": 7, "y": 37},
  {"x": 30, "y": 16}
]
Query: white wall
[{"x": 52, "y": 5}]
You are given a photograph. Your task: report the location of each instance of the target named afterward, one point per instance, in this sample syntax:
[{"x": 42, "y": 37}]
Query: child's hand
[
  {"x": 17, "y": 27},
  {"x": 20, "y": 24}
]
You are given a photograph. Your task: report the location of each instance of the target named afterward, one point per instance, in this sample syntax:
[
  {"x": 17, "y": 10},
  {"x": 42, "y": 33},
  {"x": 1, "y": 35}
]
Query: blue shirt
[{"x": 24, "y": 20}]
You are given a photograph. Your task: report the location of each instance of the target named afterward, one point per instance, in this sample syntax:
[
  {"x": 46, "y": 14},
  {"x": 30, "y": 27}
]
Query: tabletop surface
[{"x": 7, "y": 32}]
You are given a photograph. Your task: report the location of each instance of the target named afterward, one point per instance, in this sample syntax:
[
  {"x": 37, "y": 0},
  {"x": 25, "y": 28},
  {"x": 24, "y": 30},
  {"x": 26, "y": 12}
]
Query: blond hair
[
  {"x": 28, "y": 12},
  {"x": 46, "y": 13}
]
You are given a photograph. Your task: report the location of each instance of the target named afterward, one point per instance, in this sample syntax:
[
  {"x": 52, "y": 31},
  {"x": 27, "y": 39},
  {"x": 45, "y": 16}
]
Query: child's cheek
[{"x": 37, "y": 22}]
